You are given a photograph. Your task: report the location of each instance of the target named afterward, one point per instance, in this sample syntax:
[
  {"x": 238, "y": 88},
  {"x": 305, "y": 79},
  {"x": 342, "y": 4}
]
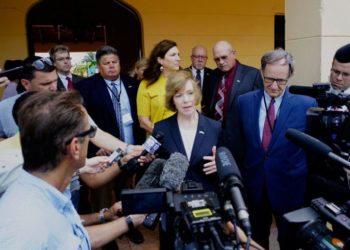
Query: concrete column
[{"x": 315, "y": 29}]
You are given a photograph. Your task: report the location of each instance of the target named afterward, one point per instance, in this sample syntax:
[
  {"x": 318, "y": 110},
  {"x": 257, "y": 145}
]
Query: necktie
[
  {"x": 219, "y": 106},
  {"x": 118, "y": 109},
  {"x": 268, "y": 125},
  {"x": 70, "y": 83},
  {"x": 198, "y": 78}
]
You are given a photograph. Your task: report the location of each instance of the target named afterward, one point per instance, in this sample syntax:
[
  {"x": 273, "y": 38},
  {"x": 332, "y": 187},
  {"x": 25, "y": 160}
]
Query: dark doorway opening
[
  {"x": 279, "y": 31},
  {"x": 85, "y": 25}
]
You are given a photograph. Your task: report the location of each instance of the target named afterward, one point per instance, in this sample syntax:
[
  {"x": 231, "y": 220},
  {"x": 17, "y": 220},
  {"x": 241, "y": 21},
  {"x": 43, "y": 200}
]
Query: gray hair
[{"x": 274, "y": 56}]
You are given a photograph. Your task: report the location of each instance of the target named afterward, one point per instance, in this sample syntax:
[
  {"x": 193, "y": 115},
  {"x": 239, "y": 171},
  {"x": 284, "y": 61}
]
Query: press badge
[{"x": 127, "y": 119}]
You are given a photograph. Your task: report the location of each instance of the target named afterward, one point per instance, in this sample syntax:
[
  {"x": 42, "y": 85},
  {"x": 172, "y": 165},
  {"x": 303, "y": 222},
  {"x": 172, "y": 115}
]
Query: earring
[{"x": 161, "y": 68}]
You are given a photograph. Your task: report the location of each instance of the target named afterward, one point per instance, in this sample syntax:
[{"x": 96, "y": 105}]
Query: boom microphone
[
  {"x": 310, "y": 143},
  {"x": 150, "y": 178},
  {"x": 229, "y": 174},
  {"x": 174, "y": 171}
]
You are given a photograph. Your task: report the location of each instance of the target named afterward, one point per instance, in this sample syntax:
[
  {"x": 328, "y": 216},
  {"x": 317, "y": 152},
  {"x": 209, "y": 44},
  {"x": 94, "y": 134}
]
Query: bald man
[
  {"x": 229, "y": 80},
  {"x": 200, "y": 72}
]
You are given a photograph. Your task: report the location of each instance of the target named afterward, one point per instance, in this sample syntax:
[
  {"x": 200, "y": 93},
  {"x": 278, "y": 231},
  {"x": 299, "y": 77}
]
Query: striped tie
[{"x": 117, "y": 109}]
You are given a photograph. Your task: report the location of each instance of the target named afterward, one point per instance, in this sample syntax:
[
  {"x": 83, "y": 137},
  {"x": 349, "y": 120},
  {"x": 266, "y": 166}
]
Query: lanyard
[{"x": 117, "y": 96}]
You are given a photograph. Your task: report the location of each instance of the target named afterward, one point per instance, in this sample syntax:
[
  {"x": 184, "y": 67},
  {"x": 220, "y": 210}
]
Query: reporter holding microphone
[{"x": 54, "y": 143}]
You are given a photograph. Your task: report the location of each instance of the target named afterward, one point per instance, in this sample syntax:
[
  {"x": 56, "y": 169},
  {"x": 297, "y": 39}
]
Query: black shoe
[{"x": 135, "y": 236}]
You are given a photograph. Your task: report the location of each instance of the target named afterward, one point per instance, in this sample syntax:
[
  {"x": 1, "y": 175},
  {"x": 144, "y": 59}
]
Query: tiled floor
[{"x": 152, "y": 240}]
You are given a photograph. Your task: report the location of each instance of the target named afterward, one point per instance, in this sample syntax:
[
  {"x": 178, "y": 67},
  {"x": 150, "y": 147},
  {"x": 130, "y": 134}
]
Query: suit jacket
[
  {"x": 246, "y": 79},
  {"x": 283, "y": 168},
  {"x": 98, "y": 104},
  {"x": 75, "y": 79},
  {"x": 207, "y": 136}
]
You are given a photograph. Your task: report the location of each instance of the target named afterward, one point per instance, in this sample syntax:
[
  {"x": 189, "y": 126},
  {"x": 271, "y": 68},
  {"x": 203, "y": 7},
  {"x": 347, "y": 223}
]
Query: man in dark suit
[
  {"x": 201, "y": 73},
  {"x": 110, "y": 99},
  {"x": 274, "y": 170},
  {"x": 229, "y": 80},
  {"x": 60, "y": 56}
]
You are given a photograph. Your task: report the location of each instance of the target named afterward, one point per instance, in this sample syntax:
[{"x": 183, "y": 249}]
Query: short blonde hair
[{"x": 175, "y": 83}]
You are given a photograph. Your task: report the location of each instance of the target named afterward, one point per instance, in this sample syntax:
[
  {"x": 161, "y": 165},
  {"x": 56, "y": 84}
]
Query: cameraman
[
  {"x": 340, "y": 71},
  {"x": 327, "y": 178}
]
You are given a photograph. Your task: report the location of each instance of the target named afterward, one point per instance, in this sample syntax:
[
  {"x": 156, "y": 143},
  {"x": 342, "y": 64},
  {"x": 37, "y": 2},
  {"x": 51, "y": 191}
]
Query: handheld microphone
[
  {"x": 310, "y": 143},
  {"x": 151, "y": 145},
  {"x": 229, "y": 174},
  {"x": 174, "y": 171},
  {"x": 115, "y": 157}
]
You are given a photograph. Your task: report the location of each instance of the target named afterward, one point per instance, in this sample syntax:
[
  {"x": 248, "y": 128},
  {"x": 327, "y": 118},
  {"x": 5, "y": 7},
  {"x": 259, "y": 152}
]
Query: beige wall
[
  {"x": 249, "y": 25},
  {"x": 314, "y": 31}
]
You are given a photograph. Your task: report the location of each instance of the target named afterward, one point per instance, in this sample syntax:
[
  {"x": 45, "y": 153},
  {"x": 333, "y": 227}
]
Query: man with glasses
[
  {"x": 54, "y": 134},
  {"x": 38, "y": 75},
  {"x": 229, "y": 80},
  {"x": 273, "y": 169},
  {"x": 340, "y": 71},
  {"x": 60, "y": 56},
  {"x": 110, "y": 99},
  {"x": 198, "y": 67}
]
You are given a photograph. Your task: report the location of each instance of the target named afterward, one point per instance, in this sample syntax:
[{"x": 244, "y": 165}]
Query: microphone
[
  {"x": 150, "y": 178},
  {"x": 310, "y": 143},
  {"x": 174, "y": 171},
  {"x": 164, "y": 173},
  {"x": 115, "y": 157},
  {"x": 304, "y": 90},
  {"x": 229, "y": 174},
  {"x": 151, "y": 145}
]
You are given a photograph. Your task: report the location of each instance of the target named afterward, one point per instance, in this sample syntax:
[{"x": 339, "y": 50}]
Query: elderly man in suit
[
  {"x": 229, "y": 80},
  {"x": 274, "y": 170},
  {"x": 110, "y": 99},
  {"x": 60, "y": 56}
]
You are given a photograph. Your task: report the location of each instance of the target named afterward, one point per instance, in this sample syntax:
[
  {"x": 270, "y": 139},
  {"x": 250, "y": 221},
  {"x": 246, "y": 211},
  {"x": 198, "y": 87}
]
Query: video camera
[
  {"x": 191, "y": 218},
  {"x": 323, "y": 225},
  {"x": 329, "y": 123}
]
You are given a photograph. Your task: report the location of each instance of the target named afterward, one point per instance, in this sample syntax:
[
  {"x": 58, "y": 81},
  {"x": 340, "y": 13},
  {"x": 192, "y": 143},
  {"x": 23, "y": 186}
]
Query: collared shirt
[
  {"x": 339, "y": 91},
  {"x": 125, "y": 107},
  {"x": 64, "y": 79},
  {"x": 8, "y": 127},
  {"x": 194, "y": 74},
  {"x": 263, "y": 108},
  {"x": 35, "y": 215}
]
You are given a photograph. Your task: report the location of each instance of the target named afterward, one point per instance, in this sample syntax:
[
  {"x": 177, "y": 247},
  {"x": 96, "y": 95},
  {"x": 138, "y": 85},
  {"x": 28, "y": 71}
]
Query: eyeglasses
[
  {"x": 91, "y": 132},
  {"x": 338, "y": 73},
  {"x": 280, "y": 82},
  {"x": 61, "y": 59},
  {"x": 199, "y": 57},
  {"x": 40, "y": 63}
]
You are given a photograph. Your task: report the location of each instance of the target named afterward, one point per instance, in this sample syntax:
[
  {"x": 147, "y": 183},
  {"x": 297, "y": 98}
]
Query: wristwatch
[
  {"x": 129, "y": 222},
  {"x": 101, "y": 215}
]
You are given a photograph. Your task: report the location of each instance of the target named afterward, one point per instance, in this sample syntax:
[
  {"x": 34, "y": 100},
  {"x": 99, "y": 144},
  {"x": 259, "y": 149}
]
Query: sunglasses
[
  {"x": 91, "y": 132},
  {"x": 41, "y": 63}
]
